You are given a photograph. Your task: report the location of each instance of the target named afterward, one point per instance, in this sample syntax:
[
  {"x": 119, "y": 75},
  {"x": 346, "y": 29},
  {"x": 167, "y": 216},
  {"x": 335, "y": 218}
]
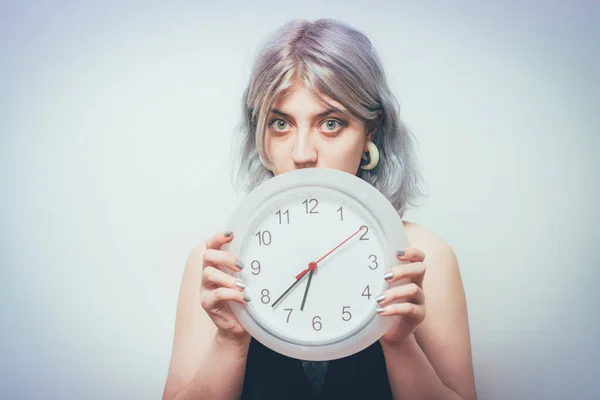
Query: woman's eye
[
  {"x": 279, "y": 125},
  {"x": 331, "y": 125}
]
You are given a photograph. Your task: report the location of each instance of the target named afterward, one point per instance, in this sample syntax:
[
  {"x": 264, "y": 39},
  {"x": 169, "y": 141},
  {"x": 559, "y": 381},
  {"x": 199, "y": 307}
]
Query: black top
[{"x": 270, "y": 375}]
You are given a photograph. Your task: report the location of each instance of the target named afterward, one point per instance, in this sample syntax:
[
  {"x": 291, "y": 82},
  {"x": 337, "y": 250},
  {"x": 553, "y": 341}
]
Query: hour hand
[
  {"x": 287, "y": 291},
  {"x": 310, "y": 274}
]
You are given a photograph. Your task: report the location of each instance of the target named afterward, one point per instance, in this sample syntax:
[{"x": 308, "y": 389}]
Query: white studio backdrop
[{"x": 115, "y": 132}]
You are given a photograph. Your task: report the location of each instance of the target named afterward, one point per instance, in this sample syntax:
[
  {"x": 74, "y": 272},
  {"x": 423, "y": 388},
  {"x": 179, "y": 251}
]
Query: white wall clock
[{"x": 316, "y": 244}]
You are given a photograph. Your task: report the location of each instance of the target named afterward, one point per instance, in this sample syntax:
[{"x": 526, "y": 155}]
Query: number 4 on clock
[{"x": 367, "y": 292}]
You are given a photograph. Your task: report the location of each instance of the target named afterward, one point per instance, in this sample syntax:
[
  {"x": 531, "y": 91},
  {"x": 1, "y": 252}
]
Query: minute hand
[
  {"x": 286, "y": 292},
  {"x": 313, "y": 265}
]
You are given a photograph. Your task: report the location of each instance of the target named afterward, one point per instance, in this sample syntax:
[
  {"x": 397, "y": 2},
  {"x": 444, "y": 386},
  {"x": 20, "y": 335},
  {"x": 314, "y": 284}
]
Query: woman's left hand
[{"x": 406, "y": 302}]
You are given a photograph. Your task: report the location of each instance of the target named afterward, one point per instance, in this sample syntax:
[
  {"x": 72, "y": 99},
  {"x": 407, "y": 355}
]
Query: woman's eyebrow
[{"x": 319, "y": 115}]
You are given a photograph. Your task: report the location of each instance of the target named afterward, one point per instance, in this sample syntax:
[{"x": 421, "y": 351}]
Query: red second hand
[{"x": 313, "y": 265}]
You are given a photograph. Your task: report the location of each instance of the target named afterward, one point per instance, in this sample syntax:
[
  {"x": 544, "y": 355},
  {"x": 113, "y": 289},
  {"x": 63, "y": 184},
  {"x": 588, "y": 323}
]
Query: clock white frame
[{"x": 393, "y": 237}]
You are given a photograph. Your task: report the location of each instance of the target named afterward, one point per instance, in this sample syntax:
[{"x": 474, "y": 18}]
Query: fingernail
[
  {"x": 388, "y": 276},
  {"x": 380, "y": 309},
  {"x": 247, "y": 298},
  {"x": 240, "y": 285},
  {"x": 400, "y": 253},
  {"x": 380, "y": 298},
  {"x": 228, "y": 233},
  {"x": 239, "y": 264}
]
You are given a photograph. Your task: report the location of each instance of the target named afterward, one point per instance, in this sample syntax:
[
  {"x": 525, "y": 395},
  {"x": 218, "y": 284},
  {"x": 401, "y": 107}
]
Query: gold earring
[{"x": 373, "y": 156}]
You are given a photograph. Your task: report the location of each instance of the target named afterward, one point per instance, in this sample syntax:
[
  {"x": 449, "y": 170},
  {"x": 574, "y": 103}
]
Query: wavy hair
[{"x": 336, "y": 60}]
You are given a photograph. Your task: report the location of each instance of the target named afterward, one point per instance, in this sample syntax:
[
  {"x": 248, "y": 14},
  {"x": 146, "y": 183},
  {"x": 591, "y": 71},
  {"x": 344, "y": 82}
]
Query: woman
[{"x": 318, "y": 97}]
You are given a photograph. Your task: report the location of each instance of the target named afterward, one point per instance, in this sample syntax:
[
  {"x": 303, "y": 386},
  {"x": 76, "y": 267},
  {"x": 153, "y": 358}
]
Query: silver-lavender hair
[{"x": 340, "y": 62}]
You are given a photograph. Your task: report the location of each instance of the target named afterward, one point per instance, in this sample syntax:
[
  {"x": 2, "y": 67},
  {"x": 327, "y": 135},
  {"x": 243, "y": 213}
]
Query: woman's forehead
[{"x": 299, "y": 100}]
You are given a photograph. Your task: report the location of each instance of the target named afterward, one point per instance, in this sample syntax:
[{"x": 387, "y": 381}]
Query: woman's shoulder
[
  {"x": 440, "y": 257},
  {"x": 425, "y": 239}
]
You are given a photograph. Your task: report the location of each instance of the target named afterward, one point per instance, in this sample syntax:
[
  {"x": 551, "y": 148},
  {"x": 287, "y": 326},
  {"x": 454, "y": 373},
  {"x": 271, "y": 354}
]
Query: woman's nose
[{"x": 304, "y": 152}]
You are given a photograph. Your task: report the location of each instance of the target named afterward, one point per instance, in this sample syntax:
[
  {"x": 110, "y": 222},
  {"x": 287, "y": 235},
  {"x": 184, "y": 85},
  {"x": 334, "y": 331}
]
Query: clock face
[
  {"x": 316, "y": 244},
  {"x": 336, "y": 298}
]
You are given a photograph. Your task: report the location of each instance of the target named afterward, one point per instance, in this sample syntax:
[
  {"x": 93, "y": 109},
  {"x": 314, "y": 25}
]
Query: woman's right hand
[{"x": 219, "y": 287}]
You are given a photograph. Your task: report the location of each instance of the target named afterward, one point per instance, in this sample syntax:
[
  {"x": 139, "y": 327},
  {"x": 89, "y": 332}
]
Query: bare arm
[
  {"x": 206, "y": 362},
  {"x": 435, "y": 362},
  {"x": 221, "y": 372}
]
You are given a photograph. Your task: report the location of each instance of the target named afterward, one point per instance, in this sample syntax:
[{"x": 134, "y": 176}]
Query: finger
[
  {"x": 413, "y": 271},
  {"x": 410, "y": 254},
  {"x": 220, "y": 258},
  {"x": 215, "y": 299},
  {"x": 217, "y": 241},
  {"x": 213, "y": 277},
  {"x": 410, "y": 292},
  {"x": 408, "y": 310}
]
